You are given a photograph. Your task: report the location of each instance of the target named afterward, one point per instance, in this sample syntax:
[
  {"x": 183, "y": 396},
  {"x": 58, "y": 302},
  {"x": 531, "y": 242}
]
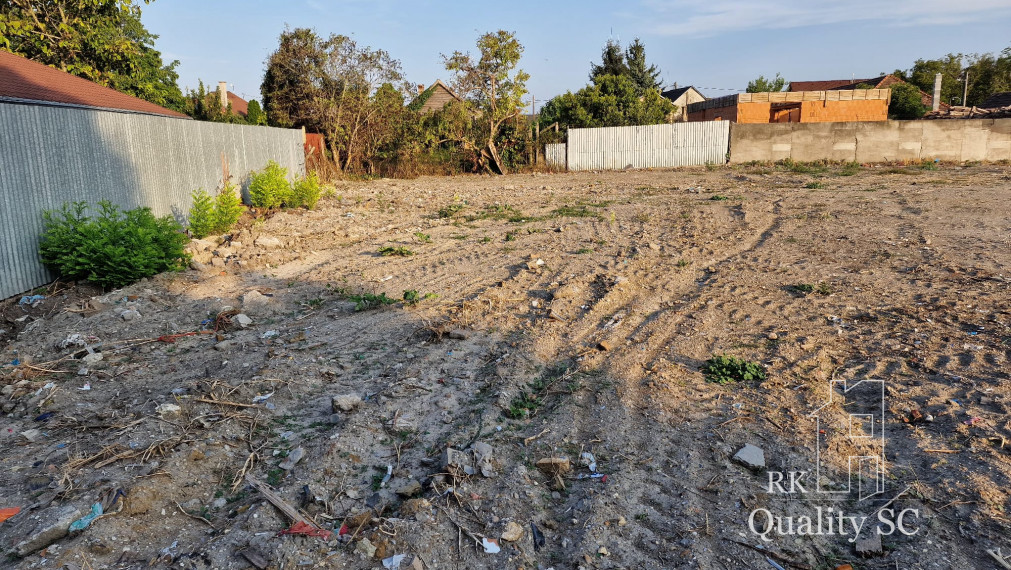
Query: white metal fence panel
[
  {"x": 653, "y": 146},
  {"x": 554, "y": 155},
  {"x": 51, "y": 155}
]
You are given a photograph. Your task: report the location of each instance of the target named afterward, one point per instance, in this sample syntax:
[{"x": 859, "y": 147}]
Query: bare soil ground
[{"x": 573, "y": 314}]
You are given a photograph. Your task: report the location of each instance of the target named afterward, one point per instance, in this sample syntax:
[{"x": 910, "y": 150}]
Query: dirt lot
[{"x": 568, "y": 314}]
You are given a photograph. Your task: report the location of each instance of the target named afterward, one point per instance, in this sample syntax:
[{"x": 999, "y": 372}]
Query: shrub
[
  {"x": 269, "y": 187},
  {"x": 725, "y": 369},
  {"x": 306, "y": 191},
  {"x": 113, "y": 249},
  {"x": 202, "y": 222},
  {"x": 214, "y": 215}
]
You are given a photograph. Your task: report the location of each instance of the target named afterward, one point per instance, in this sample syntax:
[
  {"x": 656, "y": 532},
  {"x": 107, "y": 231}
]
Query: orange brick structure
[{"x": 795, "y": 107}]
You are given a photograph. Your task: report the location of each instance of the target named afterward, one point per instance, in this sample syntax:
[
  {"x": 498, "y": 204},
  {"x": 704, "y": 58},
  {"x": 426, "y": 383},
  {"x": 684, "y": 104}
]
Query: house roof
[
  {"x": 675, "y": 94},
  {"x": 831, "y": 84},
  {"x": 419, "y": 102},
  {"x": 997, "y": 100},
  {"x": 26, "y": 81},
  {"x": 239, "y": 105}
]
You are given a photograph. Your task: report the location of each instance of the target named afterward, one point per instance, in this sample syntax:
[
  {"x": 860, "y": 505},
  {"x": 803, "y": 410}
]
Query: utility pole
[{"x": 965, "y": 90}]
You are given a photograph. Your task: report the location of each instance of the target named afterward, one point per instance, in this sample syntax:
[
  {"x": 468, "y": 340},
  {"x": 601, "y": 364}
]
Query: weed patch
[
  {"x": 369, "y": 301},
  {"x": 400, "y": 251},
  {"x": 724, "y": 369}
]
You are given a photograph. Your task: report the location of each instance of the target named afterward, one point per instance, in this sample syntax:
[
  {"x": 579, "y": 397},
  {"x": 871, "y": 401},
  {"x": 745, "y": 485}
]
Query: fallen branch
[{"x": 193, "y": 516}]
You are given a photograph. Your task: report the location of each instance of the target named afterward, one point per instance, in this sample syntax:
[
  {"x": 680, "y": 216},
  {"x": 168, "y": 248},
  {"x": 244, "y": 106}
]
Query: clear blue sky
[{"x": 711, "y": 44}]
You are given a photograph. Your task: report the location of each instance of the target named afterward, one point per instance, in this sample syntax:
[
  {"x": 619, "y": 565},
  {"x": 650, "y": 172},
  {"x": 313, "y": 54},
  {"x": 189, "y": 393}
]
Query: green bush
[
  {"x": 113, "y": 249},
  {"x": 306, "y": 191},
  {"x": 269, "y": 187},
  {"x": 214, "y": 215},
  {"x": 202, "y": 222},
  {"x": 723, "y": 369}
]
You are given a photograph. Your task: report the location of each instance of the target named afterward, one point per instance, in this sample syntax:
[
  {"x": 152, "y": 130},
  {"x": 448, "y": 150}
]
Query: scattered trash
[
  {"x": 588, "y": 460},
  {"x": 83, "y": 522},
  {"x": 973, "y": 421},
  {"x": 262, "y": 398},
  {"x": 270, "y": 334},
  {"x": 32, "y": 300},
  {"x": 386, "y": 479},
  {"x": 393, "y": 562},
  {"x": 8, "y": 513},
  {"x": 45, "y": 417},
  {"x": 33, "y": 435},
  {"x": 165, "y": 410},
  {"x": 773, "y": 564},
  {"x": 490, "y": 546},
  {"x": 302, "y": 528},
  {"x": 537, "y": 535},
  {"x": 86, "y": 387},
  {"x": 293, "y": 458}
]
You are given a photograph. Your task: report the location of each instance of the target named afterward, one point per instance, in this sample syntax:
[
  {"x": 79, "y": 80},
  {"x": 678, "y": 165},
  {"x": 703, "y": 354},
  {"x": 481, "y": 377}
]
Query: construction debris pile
[{"x": 971, "y": 113}]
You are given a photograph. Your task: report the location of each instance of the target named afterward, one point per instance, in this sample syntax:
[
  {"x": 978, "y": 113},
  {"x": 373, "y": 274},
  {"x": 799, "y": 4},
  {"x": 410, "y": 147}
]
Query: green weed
[{"x": 724, "y": 369}]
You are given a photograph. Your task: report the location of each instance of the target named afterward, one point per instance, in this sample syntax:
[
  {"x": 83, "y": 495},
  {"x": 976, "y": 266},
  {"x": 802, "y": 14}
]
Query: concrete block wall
[{"x": 881, "y": 141}]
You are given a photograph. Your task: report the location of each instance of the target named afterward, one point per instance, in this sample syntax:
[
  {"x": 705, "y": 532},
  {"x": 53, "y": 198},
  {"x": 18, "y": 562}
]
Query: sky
[{"x": 715, "y": 45}]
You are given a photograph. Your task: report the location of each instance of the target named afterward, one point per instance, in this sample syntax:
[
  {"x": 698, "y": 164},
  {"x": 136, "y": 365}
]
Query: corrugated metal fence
[
  {"x": 654, "y": 146},
  {"x": 554, "y": 155},
  {"x": 52, "y": 155}
]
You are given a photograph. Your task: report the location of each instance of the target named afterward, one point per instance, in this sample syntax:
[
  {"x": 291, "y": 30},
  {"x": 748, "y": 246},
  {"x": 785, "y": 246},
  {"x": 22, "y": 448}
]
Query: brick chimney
[
  {"x": 223, "y": 94},
  {"x": 421, "y": 88}
]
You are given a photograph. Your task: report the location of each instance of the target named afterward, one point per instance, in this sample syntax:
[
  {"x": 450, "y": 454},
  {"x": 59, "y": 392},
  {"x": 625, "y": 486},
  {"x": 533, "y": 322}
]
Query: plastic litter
[
  {"x": 537, "y": 535},
  {"x": 389, "y": 473},
  {"x": 32, "y": 300},
  {"x": 973, "y": 421},
  {"x": 86, "y": 387},
  {"x": 303, "y": 528},
  {"x": 393, "y": 562},
  {"x": 8, "y": 513},
  {"x": 490, "y": 546},
  {"x": 262, "y": 398},
  {"x": 587, "y": 459},
  {"x": 83, "y": 522},
  {"x": 270, "y": 334}
]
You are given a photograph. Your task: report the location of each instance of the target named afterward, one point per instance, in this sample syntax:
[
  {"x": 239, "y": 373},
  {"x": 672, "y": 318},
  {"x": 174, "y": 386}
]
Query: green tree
[
  {"x": 613, "y": 101},
  {"x": 646, "y": 77},
  {"x": 907, "y": 102},
  {"x": 612, "y": 62},
  {"x": 923, "y": 71},
  {"x": 255, "y": 114},
  {"x": 763, "y": 85},
  {"x": 100, "y": 40},
  {"x": 492, "y": 83},
  {"x": 204, "y": 105}
]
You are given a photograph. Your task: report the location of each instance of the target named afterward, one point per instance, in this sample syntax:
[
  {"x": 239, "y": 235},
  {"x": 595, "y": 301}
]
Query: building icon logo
[{"x": 850, "y": 450}]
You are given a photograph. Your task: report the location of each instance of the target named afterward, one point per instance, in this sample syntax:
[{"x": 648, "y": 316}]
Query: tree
[
  {"x": 613, "y": 101},
  {"x": 612, "y": 62},
  {"x": 328, "y": 85},
  {"x": 924, "y": 70},
  {"x": 204, "y": 105},
  {"x": 100, "y": 40},
  {"x": 255, "y": 114},
  {"x": 763, "y": 85},
  {"x": 494, "y": 86},
  {"x": 646, "y": 77},
  {"x": 907, "y": 102}
]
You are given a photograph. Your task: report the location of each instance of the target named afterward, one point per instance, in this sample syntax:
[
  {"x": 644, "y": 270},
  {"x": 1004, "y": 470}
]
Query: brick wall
[
  {"x": 716, "y": 114},
  {"x": 841, "y": 111},
  {"x": 753, "y": 112}
]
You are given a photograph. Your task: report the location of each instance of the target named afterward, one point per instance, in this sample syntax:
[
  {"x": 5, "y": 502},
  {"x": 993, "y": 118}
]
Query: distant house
[
  {"x": 239, "y": 105},
  {"x": 30, "y": 82},
  {"x": 435, "y": 98},
  {"x": 882, "y": 82},
  {"x": 997, "y": 100},
  {"x": 795, "y": 107},
  {"x": 682, "y": 97}
]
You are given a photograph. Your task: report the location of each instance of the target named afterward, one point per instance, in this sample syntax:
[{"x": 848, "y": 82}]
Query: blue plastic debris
[
  {"x": 31, "y": 299},
  {"x": 83, "y": 522}
]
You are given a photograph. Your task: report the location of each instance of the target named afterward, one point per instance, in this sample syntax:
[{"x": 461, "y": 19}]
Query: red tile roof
[
  {"x": 828, "y": 85},
  {"x": 26, "y": 80},
  {"x": 239, "y": 105}
]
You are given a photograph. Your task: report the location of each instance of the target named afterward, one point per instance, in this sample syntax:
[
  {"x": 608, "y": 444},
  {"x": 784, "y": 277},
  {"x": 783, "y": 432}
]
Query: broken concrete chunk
[
  {"x": 483, "y": 459},
  {"x": 751, "y": 457},
  {"x": 457, "y": 462},
  {"x": 35, "y": 532},
  {"x": 458, "y": 334},
  {"x": 243, "y": 320},
  {"x": 410, "y": 489},
  {"x": 346, "y": 402},
  {"x": 255, "y": 299},
  {"x": 513, "y": 532},
  {"x": 168, "y": 410},
  {"x": 130, "y": 315},
  {"x": 365, "y": 549},
  {"x": 269, "y": 242},
  {"x": 293, "y": 458}
]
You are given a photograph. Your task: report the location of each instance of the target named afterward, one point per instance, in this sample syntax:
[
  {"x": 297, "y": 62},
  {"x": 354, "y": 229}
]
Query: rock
[
  {"x": 141, "y": 500},
  {"x": 751, "y": 457},
  {"x": 197, "y": 455},
  {"x": 554, "y": 465},
  {"x": 227, "y": 345},
  {"x": 168, "y": 410},
  {"x": 293, "y": 458},
  {"x": 217, "y": 262},
  {"x": 92, "y": 358},
  {"x": 130, "y": 315},
  {"x": 198, "y": 266},
  {"x": 412, "y": 507},
  {"x": 513, "y": 532},
  {"x": 242, "y": 320},
  {"x": 33, "y": 435},
  {"x": 37, "y": 531},
  {"x": 346, "y": 402},
  {"x": 622, "y": 521},
  {"x": 254, "y": 299},
  {"x": 605, "y": 346},
  {"x": 365, "y": 549},
  {"x": 220, "y": 503},
  {"x": 458, "y": 334},
  {"x": 603, "y": 551},
  {"x": 870, "y": 544},
  {"x": 482, "y": 459},
  {"x": 7, "y": 390},
  {"x": 654, "y": 247},
  {"x": 457, "y": 463},
  {"x": 773, "y": 336},
  {"x": 409, "y": 489},
  {"x": 268, "y": 242}
]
